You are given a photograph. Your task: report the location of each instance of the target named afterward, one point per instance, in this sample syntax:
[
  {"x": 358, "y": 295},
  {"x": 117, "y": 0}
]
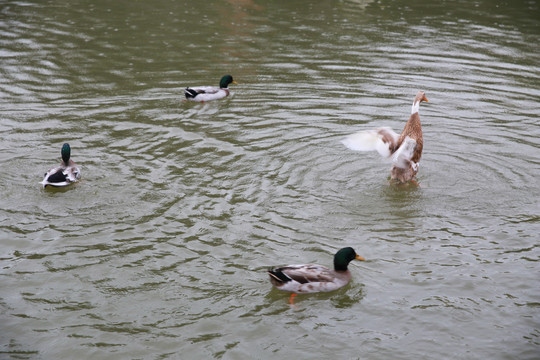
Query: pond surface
[{"x": 160, "y": 251}]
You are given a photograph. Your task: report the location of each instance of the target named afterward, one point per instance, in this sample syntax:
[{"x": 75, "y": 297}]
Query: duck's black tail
[
  {"x": 57, "y": 177},
  {"x": 190, "y": 93},
  {"x": 277, "y": 275}
]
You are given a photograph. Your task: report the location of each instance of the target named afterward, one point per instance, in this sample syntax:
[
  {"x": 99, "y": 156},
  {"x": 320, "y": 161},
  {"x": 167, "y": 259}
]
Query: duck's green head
[
  {"x": 344, "y": 256},
  {"x": 225, "y": 81},
  {"x": 66, "y": 153}
]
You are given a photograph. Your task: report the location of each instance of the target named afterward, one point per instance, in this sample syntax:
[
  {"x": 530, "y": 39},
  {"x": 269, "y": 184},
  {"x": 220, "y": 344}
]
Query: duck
[
  {"x": 405, "y": 149},
  {"x": 208, "y": 93},
  {"x": 312, "y": 278},
  {"x": 67, "y": 173}
]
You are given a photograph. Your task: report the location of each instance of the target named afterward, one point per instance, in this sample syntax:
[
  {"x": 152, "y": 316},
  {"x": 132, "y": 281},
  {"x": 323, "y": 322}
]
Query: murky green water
[{"x": 160, "y": 251}]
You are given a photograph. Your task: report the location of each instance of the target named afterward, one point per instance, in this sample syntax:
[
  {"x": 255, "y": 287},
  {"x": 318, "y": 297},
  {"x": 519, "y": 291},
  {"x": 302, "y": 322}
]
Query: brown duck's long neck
[
  {"x": 413, "y": 125},
  {"x": 415, "y": 106}
]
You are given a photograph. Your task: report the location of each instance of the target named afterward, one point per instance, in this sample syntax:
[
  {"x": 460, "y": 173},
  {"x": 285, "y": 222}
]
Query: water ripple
[{"x": 183, "y": 206}]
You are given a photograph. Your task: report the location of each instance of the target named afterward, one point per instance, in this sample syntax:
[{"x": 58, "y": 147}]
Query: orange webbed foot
[{"x": 291, "y": 299}]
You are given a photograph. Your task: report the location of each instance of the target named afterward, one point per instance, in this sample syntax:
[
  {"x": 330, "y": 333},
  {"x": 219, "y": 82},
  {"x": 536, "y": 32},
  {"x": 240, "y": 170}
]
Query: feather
[
  {"x": 402, "y": 157},
  {"x": 383, "y": 140}
]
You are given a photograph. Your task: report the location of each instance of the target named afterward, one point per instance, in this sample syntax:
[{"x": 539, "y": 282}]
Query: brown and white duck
[{"x": 405, "y": 148}]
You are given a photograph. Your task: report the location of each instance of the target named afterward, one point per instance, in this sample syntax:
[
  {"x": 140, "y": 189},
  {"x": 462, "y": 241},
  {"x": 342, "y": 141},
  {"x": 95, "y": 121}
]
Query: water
[{"x": 160, "y": 251}]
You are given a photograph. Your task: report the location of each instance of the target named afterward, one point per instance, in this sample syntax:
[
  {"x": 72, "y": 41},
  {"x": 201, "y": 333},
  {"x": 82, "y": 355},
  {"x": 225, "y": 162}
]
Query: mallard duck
[
  {"x": 405, "y": 148},
  {"x": 67, "y": 173},
  {"x": 207, "y": 93},
  {"x": 309, "y": 278}
]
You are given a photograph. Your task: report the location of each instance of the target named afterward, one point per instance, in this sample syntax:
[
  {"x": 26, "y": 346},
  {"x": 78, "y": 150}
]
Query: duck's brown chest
[{"x": 413, "y": 129}]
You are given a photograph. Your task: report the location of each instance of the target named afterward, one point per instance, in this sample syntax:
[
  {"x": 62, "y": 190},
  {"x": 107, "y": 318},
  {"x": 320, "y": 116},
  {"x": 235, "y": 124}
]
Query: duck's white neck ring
[{"x": 415, "y": 107}]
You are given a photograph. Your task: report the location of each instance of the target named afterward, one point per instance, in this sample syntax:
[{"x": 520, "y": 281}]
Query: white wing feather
[
  {"x": 370, "y": 140},
  {"x": 362, "y": 141},
  {"x": 402, "y": 156}
]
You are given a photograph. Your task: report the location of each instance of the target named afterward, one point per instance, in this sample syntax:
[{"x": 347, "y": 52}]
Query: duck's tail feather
[
  {"x": 190, "y": 93},
  {"x": 277, "y": 275},
  {"x": 57, "y": 177}
]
